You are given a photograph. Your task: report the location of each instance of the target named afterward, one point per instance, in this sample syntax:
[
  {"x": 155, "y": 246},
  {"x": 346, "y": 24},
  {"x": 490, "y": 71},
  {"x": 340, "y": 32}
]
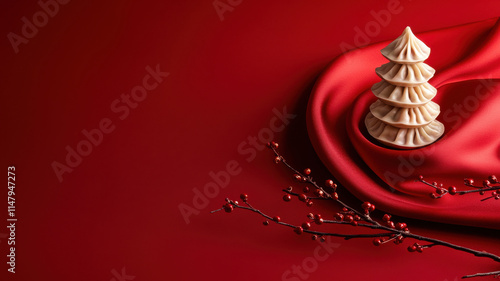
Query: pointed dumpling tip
[
  {"x": 407, "y": 31},
  {"x": 406, "y": 49}
]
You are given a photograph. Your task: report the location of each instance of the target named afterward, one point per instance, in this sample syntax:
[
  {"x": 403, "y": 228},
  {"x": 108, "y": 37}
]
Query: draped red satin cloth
[{"x": 467, "y": 63}]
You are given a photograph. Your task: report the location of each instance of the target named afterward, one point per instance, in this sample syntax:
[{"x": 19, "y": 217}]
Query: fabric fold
[{"x": 467, "y": 63}]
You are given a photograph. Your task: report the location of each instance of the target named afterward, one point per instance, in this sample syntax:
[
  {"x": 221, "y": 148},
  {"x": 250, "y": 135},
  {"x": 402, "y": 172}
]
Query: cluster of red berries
[
  {"x": 415, "y": 248},
  {"x": 321, "y": 238},
  {"x": 398, "y": 226},
  {"x": 487, "y": 184},
  {"x": 368, "y": 207},
  {"x": 496, "y": 194},
  {"x": 317, "y": 193},
  {"x": 396, "y": 238},
  {"x": 228, "y": 207},
  {"x": 439, "y": 189},
  {"x": 452, "y": 190},
  {"x": 315, "y": 218},
  {"x": 333, "y": 186},
  {"x": 347, "y": 216}
]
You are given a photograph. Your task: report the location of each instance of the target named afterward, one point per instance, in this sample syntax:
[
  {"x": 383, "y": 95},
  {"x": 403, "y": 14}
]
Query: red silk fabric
[{"x": 467, "y": 63}]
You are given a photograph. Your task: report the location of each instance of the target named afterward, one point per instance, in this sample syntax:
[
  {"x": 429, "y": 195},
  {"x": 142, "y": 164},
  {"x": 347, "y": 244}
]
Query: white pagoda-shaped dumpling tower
[{"x": 404, "y": 115}]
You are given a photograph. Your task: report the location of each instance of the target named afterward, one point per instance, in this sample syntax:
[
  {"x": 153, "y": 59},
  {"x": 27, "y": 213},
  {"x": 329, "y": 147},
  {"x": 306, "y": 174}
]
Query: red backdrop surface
[{"x": 116, "y": 114}]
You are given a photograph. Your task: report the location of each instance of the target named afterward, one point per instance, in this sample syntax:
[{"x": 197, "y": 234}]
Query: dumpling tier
[
  {"x": 404, "y": 96},
  {"x": 405, "y": 117},
  {"x": 403, "y": 137},
  {"x": 405, "y": 74}
]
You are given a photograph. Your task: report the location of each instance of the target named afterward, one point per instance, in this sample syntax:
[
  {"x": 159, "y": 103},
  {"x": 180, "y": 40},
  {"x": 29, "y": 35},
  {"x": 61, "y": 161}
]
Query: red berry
[
  {"x": 357, "y": 218},
  {"x": 354, "y": 223},
  {"x": 228, "y": 208},
  {"x": 303, "y": 197},
  {"x": 481, "y": 192},
  {"x": 440, "y": 191},
  {"x": 318, "y": 221},
  {"x": 273, "y": 144},
  {"x": 339, "y": 217},
  {"x": 486, "y": 183},
  {"x": 306, "y": 225},
  {"x": 307, "y": 171},
  {"x": 277, "y": 159},
  {"x": 468, "y": 181},
  {"x": 318, "y": 192},
  {"x": 493, "y": 179},
  {"x": 377, "y": 241},
  {"x": 287, "y": 197},
  {"x": 497, "y": 196},
  {"x": 317, "y": 216},
  {"x": 266, "y": 223},
  {"x": 420, "y": 249},
  {"x": 314, "y": 237},
  {"x": 412, "y": 248},
  {"x": 433, "y": 195},
  {"x": 335, "y": 196},
  {"x": 452, "y": 190},
  {"x": 391, "y": 224},
  {"x": 366, "y": 205},
  {"x": 322, "y": 239},
  {"x": 386, "y": 217},
  {"x": 244, "y": 197},
  {"x": 310, "y": 216},
  {"x": 434, "y": 183},
  {"x": 309, "y": 203},
  {"x": 297, "y": 177},
  {"x": 305, "y": 189},
  {"x": 400, "y": 225},
  {"x": 372, "y": 208},
  {"x": 298, "y": 230},
  {"x": 329, "y": 183},
  {"x": 349, "y": 218},
  {"x": 276, "y": 219},
  {"x": 421, "y": 178}
]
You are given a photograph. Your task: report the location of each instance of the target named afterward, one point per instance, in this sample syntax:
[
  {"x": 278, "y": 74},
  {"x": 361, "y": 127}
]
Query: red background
[{"x": 119, "y": 208}]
